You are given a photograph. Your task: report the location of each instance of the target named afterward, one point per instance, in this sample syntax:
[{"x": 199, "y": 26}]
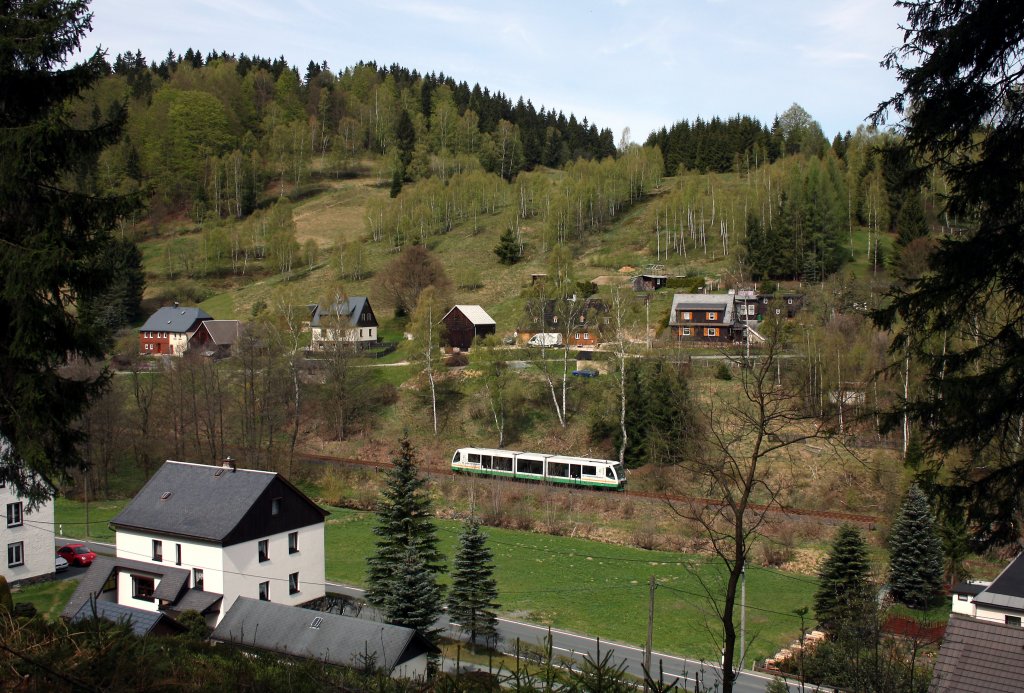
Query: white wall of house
[
  {"x": 996, "y": 615},
  {"x": 206, "y": 556},
  {"x": 352, "y": 334},
  {"x": 27, "y": 541},
  {"x": 179, "y": 342},
  {"x": 244, "y": 571},
  {"x": 963, "y": 604},
  {"x": 414, "y": 669}
]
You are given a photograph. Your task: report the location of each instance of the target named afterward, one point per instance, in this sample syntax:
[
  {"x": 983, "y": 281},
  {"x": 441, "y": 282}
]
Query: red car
[{"x": 77, "y": 554}]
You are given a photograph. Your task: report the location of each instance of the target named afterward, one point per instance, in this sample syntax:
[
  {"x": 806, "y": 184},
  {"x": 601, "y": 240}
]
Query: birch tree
[{"x": 427, "y": 331}]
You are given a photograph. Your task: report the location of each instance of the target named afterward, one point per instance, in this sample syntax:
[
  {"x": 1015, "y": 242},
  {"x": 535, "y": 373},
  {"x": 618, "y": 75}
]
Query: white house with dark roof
[
  {"x": 1001, "y": 601},
  {"x": 168, "y": 330},
  {"x": 26, "y": 536},
  {"x": 331, "y": 638},
  {"x": 349, "y": 321},
  {"x": 199, "y": 537}
]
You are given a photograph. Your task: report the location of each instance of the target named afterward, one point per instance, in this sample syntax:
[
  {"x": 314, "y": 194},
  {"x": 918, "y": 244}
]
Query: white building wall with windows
[
  {"x": 26, "y": 538},
  {"x": 244, "y": 572},
  {"x": 207, "y": 557}
]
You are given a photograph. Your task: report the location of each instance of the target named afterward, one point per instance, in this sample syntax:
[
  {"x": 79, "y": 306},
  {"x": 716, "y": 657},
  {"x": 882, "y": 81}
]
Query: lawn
[
  {"x": 49, "y": 597},
  {"x": 69, "y": 519},
  {"x": 601, "y": 589}
]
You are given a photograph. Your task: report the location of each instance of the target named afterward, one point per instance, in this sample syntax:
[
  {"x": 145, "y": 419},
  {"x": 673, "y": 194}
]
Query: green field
[
  {"x": 49, "y": 598},
  {"x": 601, "y": 589},
  {"x": 69, "y": 519}
]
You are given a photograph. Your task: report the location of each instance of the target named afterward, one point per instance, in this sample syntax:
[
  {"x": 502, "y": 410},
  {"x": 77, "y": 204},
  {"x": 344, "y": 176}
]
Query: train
[{"x": 533, "y": 466}]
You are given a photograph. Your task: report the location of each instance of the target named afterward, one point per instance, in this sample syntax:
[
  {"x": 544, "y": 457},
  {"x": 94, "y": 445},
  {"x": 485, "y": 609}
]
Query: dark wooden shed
[{"x": 464, "y": 323}]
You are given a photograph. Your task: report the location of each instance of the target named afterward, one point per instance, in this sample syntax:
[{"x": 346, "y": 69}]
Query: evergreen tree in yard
[
  {"x": 471, "y": 600},
  {"x": 414, "y": 600},
  {"x": 55, "y": 240},
  {"x": 507, "y": 249},
  {"x": 404, "y": 525},
  {"x": 843, "y": 588},
  {"x": 915, "y": 554}
]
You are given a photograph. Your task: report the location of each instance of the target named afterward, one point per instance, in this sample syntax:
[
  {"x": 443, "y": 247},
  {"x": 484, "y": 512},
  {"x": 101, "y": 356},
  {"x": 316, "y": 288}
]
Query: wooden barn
[{"x": 463, "y": 324}]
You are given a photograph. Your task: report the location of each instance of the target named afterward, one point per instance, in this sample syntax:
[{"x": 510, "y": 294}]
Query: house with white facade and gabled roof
[
  {"x": 26, "y": 535},
  {"x": 349, "y": 321},
  {"x": 199, "y": 537}
]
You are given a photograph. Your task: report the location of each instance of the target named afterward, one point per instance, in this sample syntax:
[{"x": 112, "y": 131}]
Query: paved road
[{"x": 566, "y": 645}]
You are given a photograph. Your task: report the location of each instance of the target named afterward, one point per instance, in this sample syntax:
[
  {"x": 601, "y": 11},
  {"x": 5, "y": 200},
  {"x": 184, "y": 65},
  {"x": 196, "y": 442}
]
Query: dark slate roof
[
  {"x": 170, "y": 319},
  {"x": 979, "y": 655},
  {"x": 141, "y": 622},
  {"x": 1007, "y": 590},
  {"x": 204, "y": 502},
  {"x": 340, "y": 640},
  {"x": 974, "y": 588},
  {"x": 196, "y": 600},
  {"x": 172, "y": 580},
  {"x": 352, "y": 308}
]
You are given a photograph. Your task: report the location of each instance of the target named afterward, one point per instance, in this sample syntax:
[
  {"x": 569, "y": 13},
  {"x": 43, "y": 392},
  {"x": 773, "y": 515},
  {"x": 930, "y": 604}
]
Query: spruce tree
[
  {"x": 843, "y": 588},
  {"x": 471, "y": 601},
  {"x": 55, "y": 240},
  {"x": 507, "y": 249},
  {"x": 915, "y": 554},
  {"x": 404, "y": 525},
  {"x": 414, "y": 598}
]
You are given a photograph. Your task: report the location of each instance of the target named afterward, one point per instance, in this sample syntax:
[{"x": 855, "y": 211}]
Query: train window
[
  {"x": 558, "y": 469},
  {"x": 574, "y": 471},
  {"x": 474, "y": 458},
  {"x": 485, "y": 461},
  {"x": 609, "y": 473},
  {"x": 503, "y": 464},
  {"x": 456, "y": 457},
  {"x": 527, "y": 466},
  {"x": 589, "y": 470}
]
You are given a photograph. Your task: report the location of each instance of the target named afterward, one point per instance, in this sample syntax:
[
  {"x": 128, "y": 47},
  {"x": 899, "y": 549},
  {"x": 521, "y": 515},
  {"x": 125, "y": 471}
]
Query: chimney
[{"x": 229, "y": 463}]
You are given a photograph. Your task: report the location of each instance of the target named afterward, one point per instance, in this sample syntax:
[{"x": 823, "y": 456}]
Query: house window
[
  {"x": 778, "y": 311},
  {"x": 264, "y": 550},
  {"x": 14, "y": 518},
  {"x": 789, "y": 301},
  {"x": 16, "y": 554},
  {"x": 962, "y": 597},
  {"x": 712, "y": 315},
  {"x": 686, "y": 331},
  {"x": 265, "y": 591},
  {"x": 577, "y": 335},
  {"x": 293, "y": 542},
  {"x": 586, "y": 335},
  {"x": 275, "y": 506},
  {"x": 293, "y": 583},
  {"x": 158, "y": 551},
  {"x": 197, "y": 578},
  {"x": 687, "y": 315},
  {"x": 142, "y": 588},
  {"x": 177, "y": 554},
  {"x": 711, "y": 332},
  {"x": 1013, "y": 621}
]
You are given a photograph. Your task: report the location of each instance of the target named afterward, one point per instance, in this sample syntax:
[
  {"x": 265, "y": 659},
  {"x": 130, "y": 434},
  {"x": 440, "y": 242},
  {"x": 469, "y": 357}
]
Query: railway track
[{"x": 822, "y": 516}]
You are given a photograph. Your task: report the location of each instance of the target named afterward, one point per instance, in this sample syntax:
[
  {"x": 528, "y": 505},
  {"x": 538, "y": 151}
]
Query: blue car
[{"x": 586, "y": 373}]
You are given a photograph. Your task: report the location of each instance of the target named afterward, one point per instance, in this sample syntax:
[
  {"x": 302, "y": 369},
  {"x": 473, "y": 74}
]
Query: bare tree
[
  {"x": 427, "y": 328},
  {"x": 746, "y": 435}
]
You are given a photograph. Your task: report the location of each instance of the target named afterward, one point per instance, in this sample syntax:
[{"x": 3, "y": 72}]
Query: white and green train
[{"x": 533, "y": 466}]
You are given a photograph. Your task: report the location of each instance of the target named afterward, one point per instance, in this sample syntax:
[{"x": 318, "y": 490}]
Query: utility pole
[
  {"x": 650, "y": 634},
  {"x": 743, "y": 614}
]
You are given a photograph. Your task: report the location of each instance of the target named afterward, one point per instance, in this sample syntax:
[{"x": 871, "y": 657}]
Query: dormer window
[
  {"x": 712, "y": 315},
  {"x": 275, "y": 506}
]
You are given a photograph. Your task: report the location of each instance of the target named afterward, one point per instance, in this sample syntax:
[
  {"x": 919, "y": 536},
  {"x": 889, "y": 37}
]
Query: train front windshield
[{"x": 455, "y": 457}]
